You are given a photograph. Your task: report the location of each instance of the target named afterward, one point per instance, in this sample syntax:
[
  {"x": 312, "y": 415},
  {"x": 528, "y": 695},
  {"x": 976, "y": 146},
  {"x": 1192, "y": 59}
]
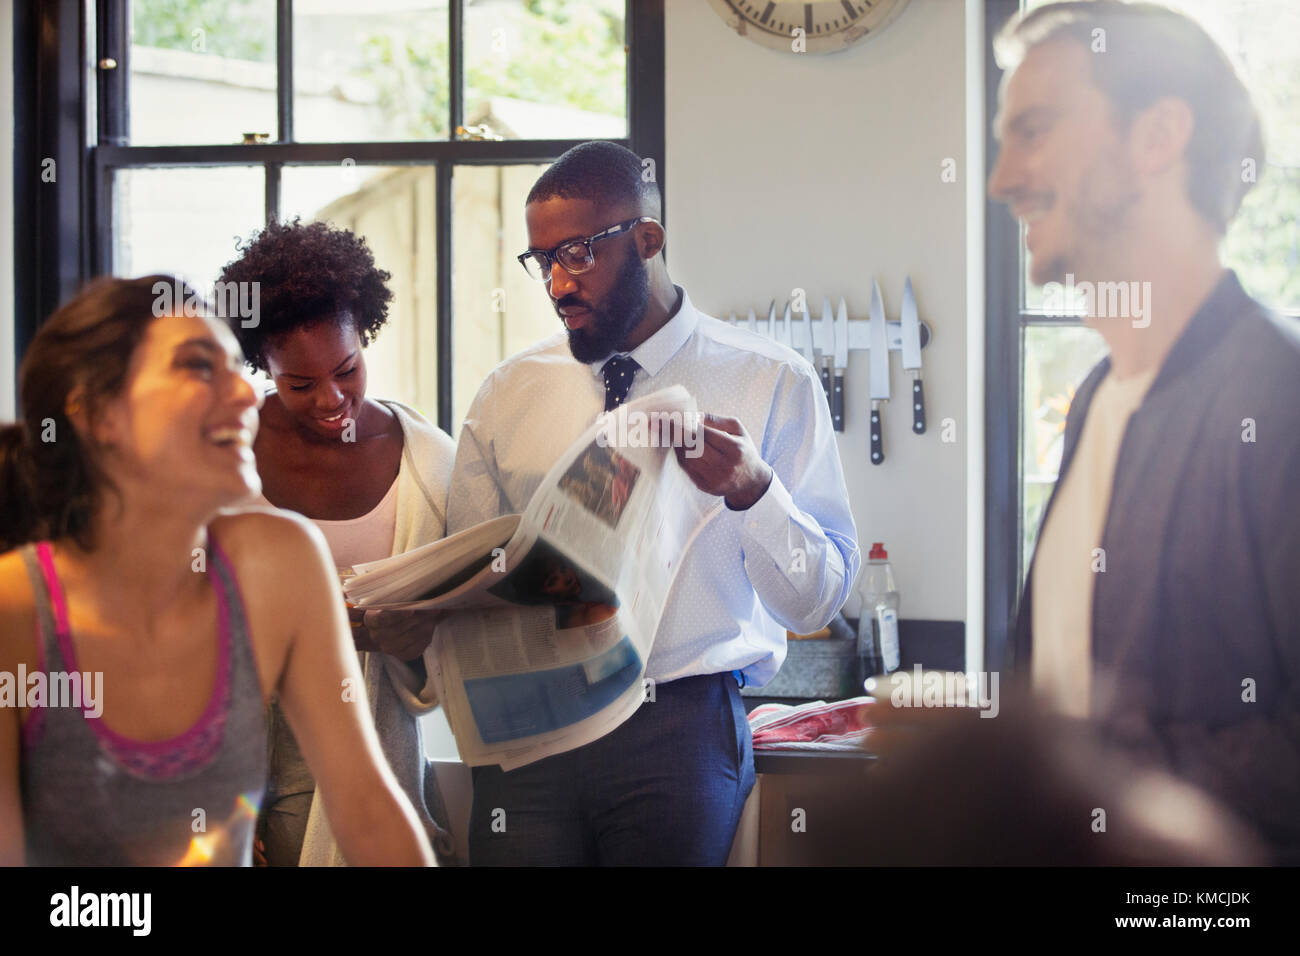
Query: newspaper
[{"x": 550, "y": 615}]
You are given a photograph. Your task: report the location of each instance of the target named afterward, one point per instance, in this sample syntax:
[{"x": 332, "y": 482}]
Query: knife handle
[
  {"x": 837, "y": 401},
  {"x": 877, "y": 447},
  {"x": 825, "y": 371},
  {"x": 918, "y": 406}
]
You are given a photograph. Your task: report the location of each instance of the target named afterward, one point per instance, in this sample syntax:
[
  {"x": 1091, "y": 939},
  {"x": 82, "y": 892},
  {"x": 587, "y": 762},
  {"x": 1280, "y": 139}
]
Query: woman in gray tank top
[{"x": 142, "y": 630}]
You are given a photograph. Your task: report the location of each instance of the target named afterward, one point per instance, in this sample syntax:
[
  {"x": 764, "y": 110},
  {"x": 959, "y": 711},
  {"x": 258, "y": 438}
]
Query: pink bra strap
[
  {"x": 59, "y": 603},
  {"x": 31, "y": 731}
]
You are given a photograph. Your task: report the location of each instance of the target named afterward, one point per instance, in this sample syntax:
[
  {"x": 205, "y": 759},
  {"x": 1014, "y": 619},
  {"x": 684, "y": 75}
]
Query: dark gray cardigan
[{"x": 1196, "y": 619}]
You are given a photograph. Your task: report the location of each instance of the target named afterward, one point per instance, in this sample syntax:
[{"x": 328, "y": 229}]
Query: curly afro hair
[{"x": 307, "y": 272}]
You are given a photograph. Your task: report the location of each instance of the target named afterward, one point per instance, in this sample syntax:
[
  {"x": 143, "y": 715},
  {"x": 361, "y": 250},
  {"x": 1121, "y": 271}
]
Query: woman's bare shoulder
[
  {"x": 265, "y": 539},
  {"x": 15, "y": 584},
  {"x": 17, "y": 611},
  {"x": 280, "y": 561}
]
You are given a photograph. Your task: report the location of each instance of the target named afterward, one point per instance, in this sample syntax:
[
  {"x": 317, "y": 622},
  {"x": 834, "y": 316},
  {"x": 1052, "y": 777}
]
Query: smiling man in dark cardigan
[{"x": 1164, "y": 596}]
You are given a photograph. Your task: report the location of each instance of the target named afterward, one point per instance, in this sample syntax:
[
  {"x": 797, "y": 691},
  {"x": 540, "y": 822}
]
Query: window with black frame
[
  {"x": 418, "y": 124},
  {"x": 1039, "y": 350}
]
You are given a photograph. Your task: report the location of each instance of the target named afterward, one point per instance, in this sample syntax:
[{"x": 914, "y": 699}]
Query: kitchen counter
[{"x": 820, "y": 763}]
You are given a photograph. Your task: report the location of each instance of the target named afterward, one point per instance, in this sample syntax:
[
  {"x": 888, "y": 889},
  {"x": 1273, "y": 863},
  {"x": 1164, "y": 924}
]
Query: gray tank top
[{"x": 92, "y": 797}]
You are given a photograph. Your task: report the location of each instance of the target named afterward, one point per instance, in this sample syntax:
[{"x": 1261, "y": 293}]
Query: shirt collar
[
  {"x": 1206, "y": 329},
  {"x": 653, "y": 354}
]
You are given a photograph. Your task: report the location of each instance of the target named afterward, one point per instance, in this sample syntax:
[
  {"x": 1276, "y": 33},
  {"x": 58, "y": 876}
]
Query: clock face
[{"x": 813, "y": 26}]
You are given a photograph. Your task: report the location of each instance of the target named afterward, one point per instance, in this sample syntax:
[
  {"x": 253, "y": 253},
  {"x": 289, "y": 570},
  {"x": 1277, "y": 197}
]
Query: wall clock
[{"x": 828, "y": 25}]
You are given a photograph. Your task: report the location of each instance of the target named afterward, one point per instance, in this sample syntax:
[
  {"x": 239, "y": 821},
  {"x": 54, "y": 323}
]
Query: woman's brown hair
[{"x": 51, "y": 484}]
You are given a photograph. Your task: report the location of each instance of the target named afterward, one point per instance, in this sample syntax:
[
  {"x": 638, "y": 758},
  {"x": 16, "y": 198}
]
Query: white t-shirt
[{"x": 1069, "y": 549}]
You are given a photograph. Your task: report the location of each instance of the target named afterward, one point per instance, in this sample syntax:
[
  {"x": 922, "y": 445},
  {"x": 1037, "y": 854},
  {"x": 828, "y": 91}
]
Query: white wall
[
  {"x": 6, "y": 214},
  {"x": 788, "y": 170}
]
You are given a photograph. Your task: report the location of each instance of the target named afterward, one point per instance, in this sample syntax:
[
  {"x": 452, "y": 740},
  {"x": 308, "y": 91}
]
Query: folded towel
[{"x": 840, "y": 725}]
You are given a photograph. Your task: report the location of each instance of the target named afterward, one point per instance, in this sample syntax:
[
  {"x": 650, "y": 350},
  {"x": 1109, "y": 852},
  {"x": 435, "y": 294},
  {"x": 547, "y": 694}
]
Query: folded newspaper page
[{"x": 550, "y": 615}]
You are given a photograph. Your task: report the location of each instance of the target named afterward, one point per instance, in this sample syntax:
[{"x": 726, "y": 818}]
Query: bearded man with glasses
[{"x": 668, "y": 785}]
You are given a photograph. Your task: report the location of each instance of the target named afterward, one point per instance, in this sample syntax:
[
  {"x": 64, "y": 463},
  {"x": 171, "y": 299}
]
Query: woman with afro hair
[{"x": 371, "y": 474}]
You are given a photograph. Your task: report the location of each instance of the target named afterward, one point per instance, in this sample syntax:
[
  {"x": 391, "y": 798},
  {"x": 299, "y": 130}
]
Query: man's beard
[
  {"x": 620, "y": 314},
  {"x": 1100, "y": 215}
]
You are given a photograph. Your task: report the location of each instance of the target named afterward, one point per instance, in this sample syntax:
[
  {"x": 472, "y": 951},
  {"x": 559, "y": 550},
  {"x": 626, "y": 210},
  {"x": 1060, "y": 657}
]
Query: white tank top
[{"x": 368, "y": 538}]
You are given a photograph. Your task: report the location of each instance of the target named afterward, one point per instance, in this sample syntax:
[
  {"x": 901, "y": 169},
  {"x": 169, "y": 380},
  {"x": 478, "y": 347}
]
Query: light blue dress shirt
[{"x": 788, "y": 562}]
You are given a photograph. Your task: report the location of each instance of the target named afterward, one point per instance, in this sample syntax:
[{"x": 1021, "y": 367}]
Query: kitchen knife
[
  {"x": 912, "y": 355},
  {"x": 751, "y": 322},
  {"x": 828, "y": 346},
  {"x": 771, "y": 320},
  {"x": 841, "y": 364},
  {"x": 879, "y": 346},
  {"x": 785, "y": 328},
  {"x": 808, "y": 338}
]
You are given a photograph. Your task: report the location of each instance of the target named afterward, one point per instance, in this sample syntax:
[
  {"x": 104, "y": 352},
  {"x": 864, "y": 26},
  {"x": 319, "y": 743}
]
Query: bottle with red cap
[{"x": 878, "y": 624}]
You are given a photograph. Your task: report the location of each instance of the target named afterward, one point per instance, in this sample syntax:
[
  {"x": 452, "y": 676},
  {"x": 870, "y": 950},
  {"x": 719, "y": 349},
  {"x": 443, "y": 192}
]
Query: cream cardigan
[{"x": 396, "y": 695}]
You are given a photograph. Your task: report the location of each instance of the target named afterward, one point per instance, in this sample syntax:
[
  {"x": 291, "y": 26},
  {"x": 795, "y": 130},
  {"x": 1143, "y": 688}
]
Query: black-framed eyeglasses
[{"x": 573, "y": 255}]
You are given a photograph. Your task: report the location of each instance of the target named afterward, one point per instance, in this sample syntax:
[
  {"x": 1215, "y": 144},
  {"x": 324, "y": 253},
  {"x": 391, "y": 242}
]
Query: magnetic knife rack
[
  {"x": 812, "y": 337},
  {"x": 859, "y": 340}
]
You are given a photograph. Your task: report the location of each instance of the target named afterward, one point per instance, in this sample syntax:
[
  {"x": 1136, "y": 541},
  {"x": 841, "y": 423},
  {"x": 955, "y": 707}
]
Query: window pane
[
  {"x": 498, "y": 309},
  {"x": 546, "y": 69},
  {"x": 370, "y": 72},
  {"x": 1263, "y": 242},
  {"x": 392, "y": 207},
  {"x": 202, "y": 71},
  {"x": 185, "y": 221},
  {"x": 1056, "y": 360}
]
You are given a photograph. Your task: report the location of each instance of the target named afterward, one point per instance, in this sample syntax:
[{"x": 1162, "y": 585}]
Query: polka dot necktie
[{"x": 619, "y": 372}]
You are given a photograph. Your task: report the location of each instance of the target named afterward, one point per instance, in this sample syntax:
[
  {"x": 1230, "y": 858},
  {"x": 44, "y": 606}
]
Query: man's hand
[
  {"x": 729, "y": 465},
  {"x": 403, "y": 634}
]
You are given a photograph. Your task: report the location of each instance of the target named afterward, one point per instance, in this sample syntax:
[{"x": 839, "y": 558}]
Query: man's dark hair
[
  {"x": 604, "y": 172},
  {"x": 306, "y": 273},
  {"x": 1150, "y": 52}
]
